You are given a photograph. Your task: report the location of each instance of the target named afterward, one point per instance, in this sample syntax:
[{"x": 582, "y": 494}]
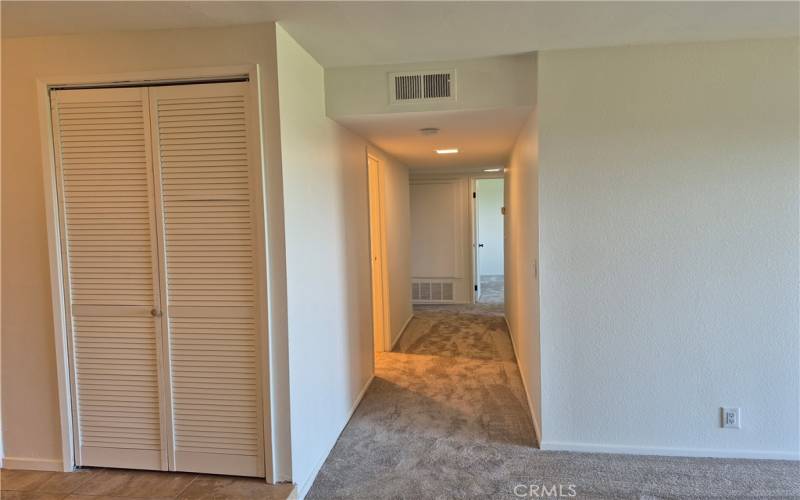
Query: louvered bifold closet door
[
  {"x": 105, "y": 187},
  {"x": 208, "y": 205}
]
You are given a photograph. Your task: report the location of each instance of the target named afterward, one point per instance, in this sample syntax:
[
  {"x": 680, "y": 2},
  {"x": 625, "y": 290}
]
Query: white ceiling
[
  {"x": 368, "y": 33},
  {"x": 483, "y": 137},
  {"x": 363, "y": 33}
]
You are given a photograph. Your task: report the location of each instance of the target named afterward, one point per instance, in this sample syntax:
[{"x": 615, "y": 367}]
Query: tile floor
[{"x": 102, "y": 484}]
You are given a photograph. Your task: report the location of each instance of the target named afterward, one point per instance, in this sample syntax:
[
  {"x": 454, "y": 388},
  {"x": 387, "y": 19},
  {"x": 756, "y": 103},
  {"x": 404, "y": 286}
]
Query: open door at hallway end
[{"x": 489, "y": 245}]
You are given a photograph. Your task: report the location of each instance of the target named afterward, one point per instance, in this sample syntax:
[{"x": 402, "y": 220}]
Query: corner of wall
[
  {"x": 323, "y": 168},
  {"x": 280, "y": 420},
  {"x": 304, "y": 487}
]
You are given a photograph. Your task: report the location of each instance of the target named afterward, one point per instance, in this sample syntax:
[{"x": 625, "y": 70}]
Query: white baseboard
[
  {"x": 32, "y": 464},
  {"x": 536, "y": 429},
  {"x": 302, "y": 488},
  {"x": 669, "y": 452},
  {"x": 640, "y": 450},
  {"x": 402, "y": 331}
]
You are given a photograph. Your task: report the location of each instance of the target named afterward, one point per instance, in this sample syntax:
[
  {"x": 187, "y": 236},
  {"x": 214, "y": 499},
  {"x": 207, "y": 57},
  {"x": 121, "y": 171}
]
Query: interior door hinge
[
  {"x": 474, "y": 194},
  {"x": 476, "y": 288}
]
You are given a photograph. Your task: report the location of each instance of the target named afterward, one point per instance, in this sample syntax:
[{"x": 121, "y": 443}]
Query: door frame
[
  {"x": 473, "y": 208},
  {"x": 268, "y": 383},
  {"x": 386, "y": 334}
]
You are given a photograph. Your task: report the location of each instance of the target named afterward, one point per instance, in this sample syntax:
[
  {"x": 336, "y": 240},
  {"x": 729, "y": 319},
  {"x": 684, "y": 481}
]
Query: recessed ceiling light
[
  {"x": 450, "y": 151},
  {"x": 491, "y": 169}
]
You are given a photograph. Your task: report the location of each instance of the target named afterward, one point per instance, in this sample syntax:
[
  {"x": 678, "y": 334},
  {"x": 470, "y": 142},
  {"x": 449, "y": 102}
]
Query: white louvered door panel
[
  {"x": 207, "y": 206},
  {"x": 104, "y": 172}
]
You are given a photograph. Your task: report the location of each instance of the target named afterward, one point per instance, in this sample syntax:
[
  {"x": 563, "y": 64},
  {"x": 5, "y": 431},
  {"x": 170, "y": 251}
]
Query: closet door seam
[{"x": 161, "y": 309}]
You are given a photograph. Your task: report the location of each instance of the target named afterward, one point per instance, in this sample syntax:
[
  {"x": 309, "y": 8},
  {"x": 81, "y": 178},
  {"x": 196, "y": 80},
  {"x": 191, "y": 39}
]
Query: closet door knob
[{"x": 155, "y": 312}]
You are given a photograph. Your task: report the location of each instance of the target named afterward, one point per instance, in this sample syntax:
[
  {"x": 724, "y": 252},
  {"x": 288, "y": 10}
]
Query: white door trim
[{"x": 54, "y": 233}]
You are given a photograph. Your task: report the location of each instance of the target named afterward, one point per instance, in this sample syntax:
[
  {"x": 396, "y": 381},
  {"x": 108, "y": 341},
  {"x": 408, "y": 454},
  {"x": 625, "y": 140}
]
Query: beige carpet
[{"x": 446, "y": 418}]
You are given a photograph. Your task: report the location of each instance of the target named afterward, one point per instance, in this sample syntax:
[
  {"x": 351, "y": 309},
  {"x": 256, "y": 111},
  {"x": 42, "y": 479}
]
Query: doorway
[
  {"x": 489, "y": 244},
  {"x": 377, "y": 239}
]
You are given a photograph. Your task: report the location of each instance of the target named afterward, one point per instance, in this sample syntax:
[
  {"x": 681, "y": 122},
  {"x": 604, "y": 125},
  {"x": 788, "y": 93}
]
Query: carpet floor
[
  {"x": 446, "y": 417},
  {"x": 492, "y": 289}
]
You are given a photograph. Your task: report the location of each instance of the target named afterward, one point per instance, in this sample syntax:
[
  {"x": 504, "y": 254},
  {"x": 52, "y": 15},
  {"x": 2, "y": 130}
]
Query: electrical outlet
[{"x": 731, "y": 418}]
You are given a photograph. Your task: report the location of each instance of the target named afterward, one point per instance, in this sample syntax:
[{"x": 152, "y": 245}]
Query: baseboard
[
  {"x": 402, "y": 331},
  {"x": 669, "y": 452},
  {"x": 536, "y": 429},
  {"x": 32, "y": 464},
  {"x": 640, "y": 450},
  {"x": 302, "y": 488}
]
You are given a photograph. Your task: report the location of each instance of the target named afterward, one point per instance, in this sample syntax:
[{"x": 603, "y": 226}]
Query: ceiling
[
  {"x": 364, "y": 33},
  {"x": 368, "y": 33},
  {"x": 483, "y": 137}
]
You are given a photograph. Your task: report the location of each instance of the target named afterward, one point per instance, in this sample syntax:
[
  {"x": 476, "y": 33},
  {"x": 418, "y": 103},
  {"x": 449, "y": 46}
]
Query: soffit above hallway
[
  {"x": 353, "y": 33},
  {"x": 484, "y": 138}
]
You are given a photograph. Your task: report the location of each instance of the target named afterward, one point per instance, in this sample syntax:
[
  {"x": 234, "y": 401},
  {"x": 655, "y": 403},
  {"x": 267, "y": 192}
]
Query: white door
[
  {"x": 112, "y": 290},
  {"x": 489, "y": 239},
  {"x": 476, "y": 246},
  {"x": 207, "y": 203},
  {"x": 161, "y": 242}
]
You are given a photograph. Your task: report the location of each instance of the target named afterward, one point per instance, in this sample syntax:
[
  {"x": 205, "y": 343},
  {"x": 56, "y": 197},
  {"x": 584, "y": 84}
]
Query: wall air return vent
[
  {"x": 431, "y": 291},
  {"x": 422, "y": 86}
]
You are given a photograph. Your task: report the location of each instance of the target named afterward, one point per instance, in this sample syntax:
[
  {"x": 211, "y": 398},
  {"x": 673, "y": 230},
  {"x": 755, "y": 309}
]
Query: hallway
[
  {"x": 446, "y": 417},
  {"x": 442, "y": 414}
]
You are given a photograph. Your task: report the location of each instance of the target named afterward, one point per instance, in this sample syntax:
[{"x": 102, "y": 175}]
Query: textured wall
[
  {"x": 521, "y": 260},
  {"x": 327, "y": 261},
  {"x": 669, "y": 247}
]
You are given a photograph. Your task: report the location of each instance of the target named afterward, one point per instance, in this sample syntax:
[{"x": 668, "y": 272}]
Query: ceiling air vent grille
[
  {"x": 421, "y": 86},
  {"x": 407, "y": 87},
  {"x": 436, "y": 85}
]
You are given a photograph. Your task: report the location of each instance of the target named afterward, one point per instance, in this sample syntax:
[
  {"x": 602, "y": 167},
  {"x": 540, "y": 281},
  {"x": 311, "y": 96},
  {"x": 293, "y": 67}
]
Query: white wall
[
  {"x": 669, "y": 247},
  {"x": 489, "y": 82},
  {"x": 490, "y": 226},
  {"x": 440, "y": 232},
  {"x": 326, "y": 208},
  {"x": 31, "y": 429},
  {"x": 397, "y": 231},
  {"x": 327, "y": 261},
  {"x": 521, "y": 260}
]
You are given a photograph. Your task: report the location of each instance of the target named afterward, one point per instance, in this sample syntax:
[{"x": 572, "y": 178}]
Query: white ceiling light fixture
[
  {"x": 491, "y": 169},
  {"x": 448, "y": 151}
]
